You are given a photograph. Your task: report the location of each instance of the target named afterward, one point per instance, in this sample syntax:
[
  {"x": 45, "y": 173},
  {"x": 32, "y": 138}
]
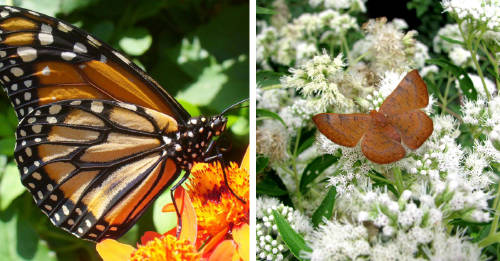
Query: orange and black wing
[
  {"x": 410, "y": 94},
  {"x": 44, "y": 60},
  {"x": 93, "y": 166},
  {"x": 343, "y": 129}
]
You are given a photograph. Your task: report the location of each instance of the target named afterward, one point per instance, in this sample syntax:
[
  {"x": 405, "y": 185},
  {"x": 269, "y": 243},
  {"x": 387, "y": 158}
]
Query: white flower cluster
[
  {"x": 457, "y": 54},
  {"x": 338, "y": 241},
  {"x": 270, "y": 246},
  {"x": 354, "y": 5},
  {"x": 386, "y": 47},
  {"x": 480, "y": 11},
  {"x": 297, "y": 42},
  {"x": 318, "y": 80}
]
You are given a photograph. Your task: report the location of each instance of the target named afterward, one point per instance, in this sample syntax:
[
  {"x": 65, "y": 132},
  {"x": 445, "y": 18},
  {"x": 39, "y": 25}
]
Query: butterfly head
[{"x": 192, "y": 139}]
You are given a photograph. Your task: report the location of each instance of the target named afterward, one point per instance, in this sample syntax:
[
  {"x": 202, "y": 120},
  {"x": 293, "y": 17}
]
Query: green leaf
[
  {"x": 136, "y": 41},
  {"x": 451, "y": 40},
  {"x": 314, "y": 169},
  {"x": 262, "y": 10},
  {"x": 270, "y": 114},
  {"x": 261, "y": 163},
  {"x": 268, "y": 78},
  {"x": 10, "y": 186},
  {"x": 206, "y": 87},
  {"x": 294, "y": 241},
  {"x": 5, "y": 128},
  {"x": 48, "y": 7},
  {"x": 306, "y": 144},
  {"x": 21, "y": 240},
  {"x": 104, "y": 30},
  {"x": 7, "y": 146},
  {"x": 325, "y": 209},
  {"x": 464, "y": 81},
  {"x": 271, "y": 185}
]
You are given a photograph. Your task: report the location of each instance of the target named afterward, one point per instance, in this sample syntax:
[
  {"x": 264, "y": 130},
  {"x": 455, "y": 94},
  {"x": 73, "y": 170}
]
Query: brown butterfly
[{"x": 399, "y": 118}]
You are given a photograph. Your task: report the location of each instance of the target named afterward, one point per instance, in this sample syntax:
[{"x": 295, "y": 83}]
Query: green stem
[
  {"x": 493, "y": 61},
  {"x": 444, "y": 100},
  {"x": 375, "y": 177},
  {"x": 345, "y": 47},
  {"x": 490, "y": 239},
  {"x": 270, "y": 87},
  {"x": 294, "y": 167},
  {"x": 398, "y": 179},
  {"x": 469, "y": 44},
  {"x": 494, "y": 224}
]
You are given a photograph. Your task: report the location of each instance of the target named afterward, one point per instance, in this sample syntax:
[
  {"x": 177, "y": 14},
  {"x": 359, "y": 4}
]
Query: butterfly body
[
  {"x": 98, "y": 139},
  {"x": 381, "y": 132}
]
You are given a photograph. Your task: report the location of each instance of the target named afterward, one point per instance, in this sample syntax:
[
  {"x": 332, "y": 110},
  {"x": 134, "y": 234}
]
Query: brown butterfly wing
[
  {"x": 410, "y": 94},
  {"x": 343, "y": 129},
  {"x": 414, "y": 126},
  {"x": 380, "y": 148}
]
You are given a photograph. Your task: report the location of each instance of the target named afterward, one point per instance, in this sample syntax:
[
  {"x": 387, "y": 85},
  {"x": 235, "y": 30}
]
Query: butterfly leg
[
  {"x": 223, "y": 165},
  {"x": 172, "y": 190}
]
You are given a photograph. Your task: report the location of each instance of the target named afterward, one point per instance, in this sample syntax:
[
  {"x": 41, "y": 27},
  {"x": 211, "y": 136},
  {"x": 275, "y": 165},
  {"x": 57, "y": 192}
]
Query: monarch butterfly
[{"x": 98, "y": 139}]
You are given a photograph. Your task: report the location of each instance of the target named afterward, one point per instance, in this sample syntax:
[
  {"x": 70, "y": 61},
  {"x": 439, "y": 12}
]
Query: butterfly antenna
[{"x": 234, "y": 106}]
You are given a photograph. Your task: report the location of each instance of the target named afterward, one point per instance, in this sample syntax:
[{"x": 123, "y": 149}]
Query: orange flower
[{"x": 214, "y": 221}]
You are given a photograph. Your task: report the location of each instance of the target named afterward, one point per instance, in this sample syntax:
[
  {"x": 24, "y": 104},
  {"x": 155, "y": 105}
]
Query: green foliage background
[{"x": 197, "y": 50}]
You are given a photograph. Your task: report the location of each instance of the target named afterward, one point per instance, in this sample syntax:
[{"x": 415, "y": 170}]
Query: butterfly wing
[
  {"x": 378, "y": 147},
  {"x": 343, "y": 129},
  {"x": 402, "y": 110},
  {"x": 414, "y": 126},
  {"x": 93, "y": 166},
  {"x": 410, "y": 94},
  {"x": 43, "y": 60}
]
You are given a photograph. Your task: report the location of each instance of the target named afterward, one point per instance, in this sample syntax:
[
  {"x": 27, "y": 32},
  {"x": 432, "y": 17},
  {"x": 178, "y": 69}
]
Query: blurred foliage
[
  {"x": 197, "y": 50},
  {"x": 431, "y": 16}
]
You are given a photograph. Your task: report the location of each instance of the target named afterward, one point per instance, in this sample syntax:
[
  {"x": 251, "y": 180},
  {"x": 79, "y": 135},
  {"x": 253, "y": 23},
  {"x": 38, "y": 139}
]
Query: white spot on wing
[
  {"x": 96, "y": 106},
  {"x": 46, "y": 70},
  {"x": 4, "y": 14},
  {"x": 64, "y": 27},
  {"x": 121, "y": 57},
  {"x": 46, "y": 28},
  {"x": 3, "y": 54},
  {"x": 55, "y": 109},
  {"x": 93, "y": 41},
  {"x": 37, "y": 176},
  {"x": 127, "y": 106},
  {"x": 16, "y": 71},
  {"x": 68, "y": 56},
  {"x": 51, "y": 120},
  {"x": 27, "y": 96},
  {"x": 103, "y": 59},
  {"x": 79, "y": 48},
  {"x": 76, "y": 103},
  {"x": 29, "y": 153},
  {"x": 65, "y": 211},
  {"x": 37, "y": 128},
  {"x": 27, "y": 54},
  {"x": 45, "y": 38},
  {"x": 27, "y": 83}
]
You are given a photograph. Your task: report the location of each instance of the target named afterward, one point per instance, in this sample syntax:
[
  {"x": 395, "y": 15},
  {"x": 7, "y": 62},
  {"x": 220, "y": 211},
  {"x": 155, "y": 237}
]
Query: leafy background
[{"x": 197, "y": 50}]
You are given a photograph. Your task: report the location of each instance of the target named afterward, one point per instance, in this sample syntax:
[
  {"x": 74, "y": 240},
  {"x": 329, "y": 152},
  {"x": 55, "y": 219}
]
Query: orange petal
[
  {"x": 149, "y": 235},
  {"x": 214, "y": 241},
  {"x": 189, "y": 227},
  {"x": 112, "y": 250},
  {"x": 224, "y": 251},
  {"x": 241, "y": 235},
  {"x": 168, "y": 208},
  {"x": 245, "y": 163}
]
